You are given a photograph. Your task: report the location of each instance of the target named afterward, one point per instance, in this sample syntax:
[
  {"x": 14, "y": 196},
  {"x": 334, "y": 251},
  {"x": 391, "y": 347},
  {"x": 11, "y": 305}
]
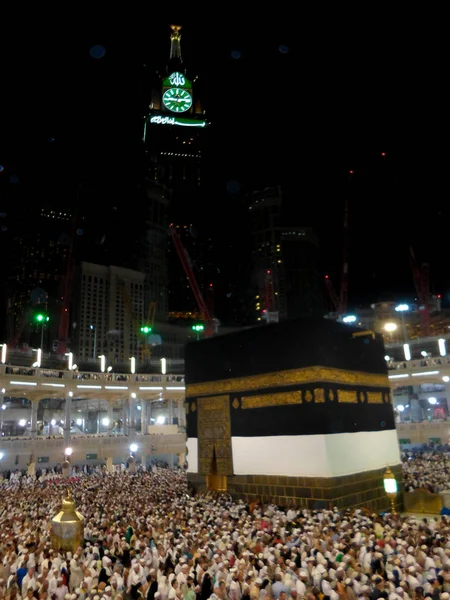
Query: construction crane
[
  {"x": 210, "y": 299},
  {"x": 343, "y": 298},
  {"x": 269, "y": 312},
  {"x": 334, "y": 298},
  {"x": 340, "y": 303},
  {"x": 186, "y": 264},
  {"x": 422, "y": 284}
]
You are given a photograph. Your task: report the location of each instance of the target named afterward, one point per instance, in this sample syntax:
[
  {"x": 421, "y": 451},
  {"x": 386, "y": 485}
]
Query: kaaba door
[{"x": 214, "y": 439}]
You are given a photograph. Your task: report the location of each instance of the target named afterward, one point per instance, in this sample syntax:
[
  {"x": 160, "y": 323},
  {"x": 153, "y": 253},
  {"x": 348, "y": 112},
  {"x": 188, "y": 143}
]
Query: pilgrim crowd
[
  {"x": 146, "y": 536},
  {"x": 429, "y": 470}
]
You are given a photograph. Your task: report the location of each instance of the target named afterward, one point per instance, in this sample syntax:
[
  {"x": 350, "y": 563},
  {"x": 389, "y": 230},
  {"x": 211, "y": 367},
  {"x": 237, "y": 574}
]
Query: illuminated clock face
[{"x": 177, "y": 100}]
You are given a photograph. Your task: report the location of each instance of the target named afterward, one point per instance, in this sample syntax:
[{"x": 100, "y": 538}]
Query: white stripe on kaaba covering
[
  {"x": 332, "y": 455},
  {"x": 192, "y": 455}
]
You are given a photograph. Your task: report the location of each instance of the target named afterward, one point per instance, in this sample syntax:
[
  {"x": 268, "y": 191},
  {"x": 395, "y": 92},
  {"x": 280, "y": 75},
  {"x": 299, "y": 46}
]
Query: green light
[
  {"x": 178, "y": 80},
  {"x": 146, "y": 329},
  {"x": 159, "y": 120},
  {"x": 198, "y": 327},
  {"x": 41, "y": 318},
  {"x": 177, "y": 100}
]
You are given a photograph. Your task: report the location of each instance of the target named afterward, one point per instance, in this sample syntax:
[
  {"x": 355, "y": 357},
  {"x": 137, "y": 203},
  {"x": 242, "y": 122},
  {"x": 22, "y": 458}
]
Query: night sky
[{"x": 295, "y": 103}]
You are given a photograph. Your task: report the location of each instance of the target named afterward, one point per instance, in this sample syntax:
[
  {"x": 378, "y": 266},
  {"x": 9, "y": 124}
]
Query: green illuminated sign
[
  {"x": 146, "y": 329},
  {"x": 43, "y": 459},
  {"x": 91, "y": 456},
  {"x": 198, "y": 327},
  {"x": 177, "y": 79},
  {"x": 159, "y": 120},
  {"x": 404, "y": 441}
]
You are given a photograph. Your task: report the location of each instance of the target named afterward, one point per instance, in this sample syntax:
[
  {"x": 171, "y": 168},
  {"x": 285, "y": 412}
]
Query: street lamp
[
  {"x": 402, "y": 308},
  {"x": 133, "y": 365},
  {"x": 390, "y": 487},
  {"x": 349, "y": 319},
  {"x": 4, "y": 351},
  {"x": 94, "y": 329},
  {"x": 42, "y": 319},
  {"x": 198, "y": 329},
  {"x": 69, "y": 360},
  {"x": 163, "y": 366},
  {"x": 38, "y": 358},
  {"x": 390, "y": 328},
  {"x": 133, "y": 448}
]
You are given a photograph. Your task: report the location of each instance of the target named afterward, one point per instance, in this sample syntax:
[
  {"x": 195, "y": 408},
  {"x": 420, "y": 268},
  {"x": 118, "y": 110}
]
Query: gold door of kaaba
[{"x": 214, "y": 440}]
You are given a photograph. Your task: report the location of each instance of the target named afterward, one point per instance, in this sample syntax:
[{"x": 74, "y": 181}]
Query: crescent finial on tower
[{"x": 175, "y": 42}]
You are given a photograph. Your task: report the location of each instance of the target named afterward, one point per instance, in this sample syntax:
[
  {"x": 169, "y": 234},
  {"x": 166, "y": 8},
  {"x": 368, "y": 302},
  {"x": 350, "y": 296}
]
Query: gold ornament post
[{"x": 67, "y": 527}]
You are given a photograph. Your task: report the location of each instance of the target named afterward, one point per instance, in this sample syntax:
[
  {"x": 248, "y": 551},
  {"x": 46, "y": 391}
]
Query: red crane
[
  {"x": 210, "y": 298},
  {"x": 343, "y": 299},
  {"x": 270, "y": 312},
  {"x": 332, "y": 294},
  {"x": 422, "y": 283},
  {"x": 340, "y": 302},
  {"x": 186, "y": 264}
]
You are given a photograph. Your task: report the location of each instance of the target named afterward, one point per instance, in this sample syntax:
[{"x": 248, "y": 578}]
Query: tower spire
[{"x": 175, "y": 42}]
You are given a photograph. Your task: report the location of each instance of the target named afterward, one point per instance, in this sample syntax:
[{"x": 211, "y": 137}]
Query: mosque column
[
  {"x": 144, "y": 417},
  {"x": 124, "y": 416},
  {"x": 67, "y": 415},
  {"x": 110, "y": 416},
  {"x": 180, "y": 406},
  {"x": 31, "y": 470},
  {"x": 149, "y": 412},
  {"x": 34, "y": 415},
  {"x": 447, "y": 395},
  {"x": 131, "y": 420},
  {"x": 170, "y": 407}
]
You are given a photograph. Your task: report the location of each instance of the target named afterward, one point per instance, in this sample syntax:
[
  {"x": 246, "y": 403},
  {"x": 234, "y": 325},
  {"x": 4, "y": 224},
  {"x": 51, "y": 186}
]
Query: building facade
[
  {"x": 38, "y": 242},
  {"x": 109, "y": 313}
]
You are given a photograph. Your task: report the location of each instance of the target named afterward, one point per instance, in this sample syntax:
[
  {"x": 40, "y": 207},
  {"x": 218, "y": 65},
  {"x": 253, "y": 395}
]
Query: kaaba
[{"x": 295, "y": 413}]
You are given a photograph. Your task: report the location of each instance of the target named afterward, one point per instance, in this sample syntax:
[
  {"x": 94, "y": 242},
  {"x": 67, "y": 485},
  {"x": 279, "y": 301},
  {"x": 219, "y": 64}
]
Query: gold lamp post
[
  {"x": 390, "y": 487},
  {"x": 67, "y": 527}
]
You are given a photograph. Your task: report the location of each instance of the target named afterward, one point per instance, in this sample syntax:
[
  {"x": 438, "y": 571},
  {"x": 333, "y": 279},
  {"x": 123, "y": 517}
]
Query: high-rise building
[
  {"x": 37, "y": 242},
  {"x": 153, "y": 260},
  {"x": 175, "y": 137},
  {"x": 108, "y": 314},
  {"x": 285, "y": 261},
  {"x": 175, "y": 133}
]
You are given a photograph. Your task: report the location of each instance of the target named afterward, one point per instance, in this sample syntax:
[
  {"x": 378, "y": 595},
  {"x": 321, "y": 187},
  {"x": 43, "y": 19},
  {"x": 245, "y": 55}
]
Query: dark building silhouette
[
  {"x": 285, "y": 261},
  {"x": 37, "y": 242}
]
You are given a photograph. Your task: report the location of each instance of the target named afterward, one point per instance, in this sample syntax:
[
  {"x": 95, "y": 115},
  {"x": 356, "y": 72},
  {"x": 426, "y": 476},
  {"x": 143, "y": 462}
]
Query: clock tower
[{"x": 175, "y": 133}]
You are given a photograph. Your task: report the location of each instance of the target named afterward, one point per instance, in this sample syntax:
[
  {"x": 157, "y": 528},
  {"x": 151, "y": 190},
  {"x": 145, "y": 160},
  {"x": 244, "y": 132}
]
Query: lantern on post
[{"x": 390, "y": 487}]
